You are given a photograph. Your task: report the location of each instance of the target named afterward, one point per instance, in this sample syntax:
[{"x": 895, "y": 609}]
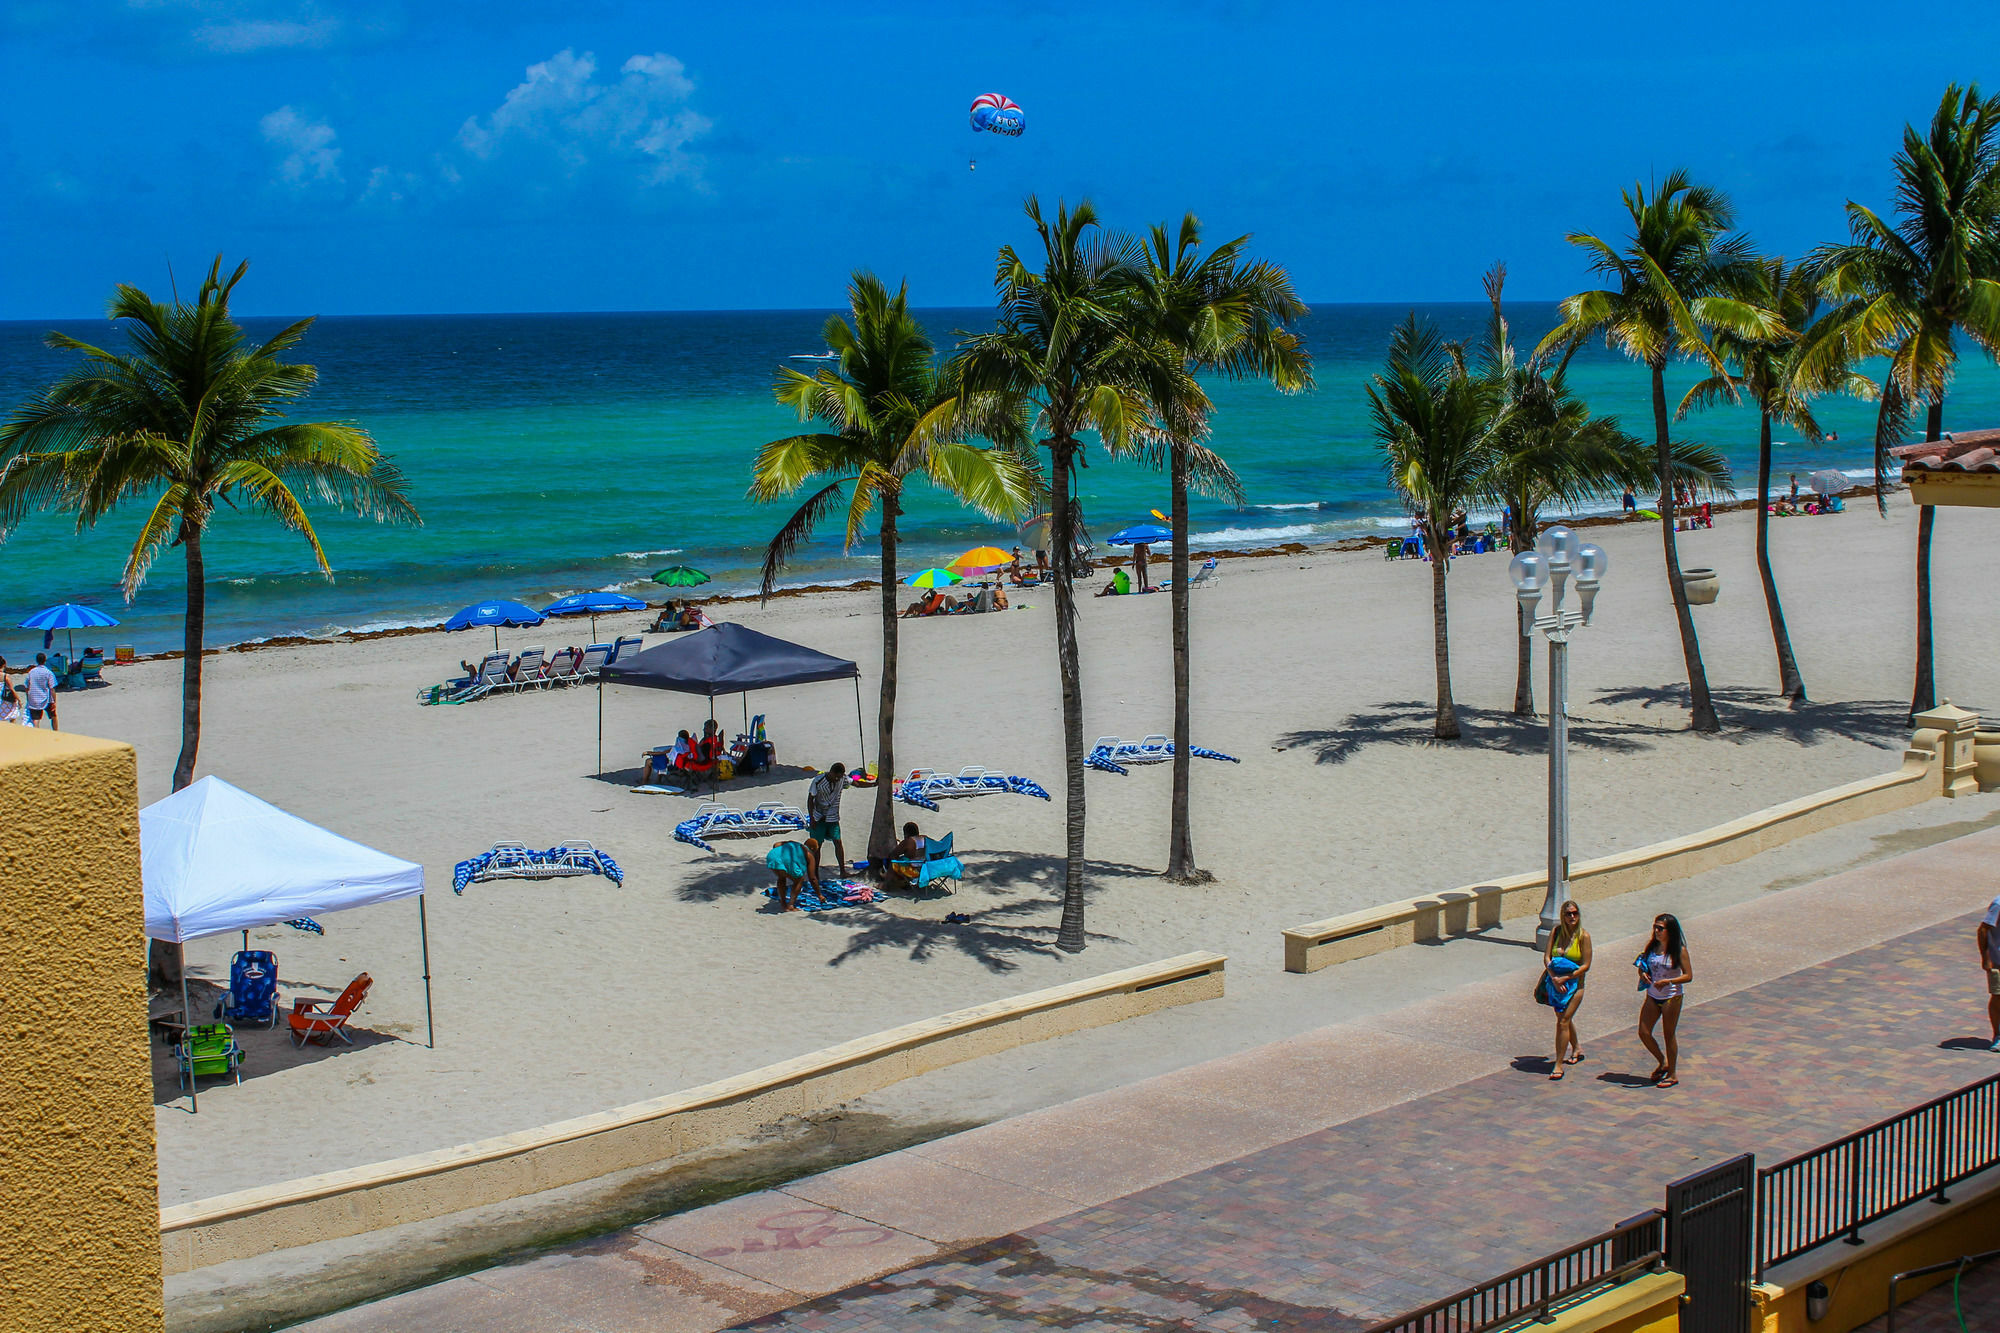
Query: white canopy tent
[{"x": 215, "y": 859}]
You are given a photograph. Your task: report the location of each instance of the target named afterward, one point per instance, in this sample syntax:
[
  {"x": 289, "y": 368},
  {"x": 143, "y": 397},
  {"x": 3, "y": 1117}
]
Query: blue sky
[{"x": 375, "y": 156}]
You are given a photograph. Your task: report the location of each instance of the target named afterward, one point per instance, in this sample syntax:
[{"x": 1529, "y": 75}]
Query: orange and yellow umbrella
[{"x": 982, "y": 557}]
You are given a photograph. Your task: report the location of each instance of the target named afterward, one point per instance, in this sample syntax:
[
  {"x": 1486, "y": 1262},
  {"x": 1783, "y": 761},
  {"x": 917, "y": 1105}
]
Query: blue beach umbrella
[
  {"x": 496, "y": 614},
  {"x": 1148, "y": 533},
  {"x": 70, "y": 616},
  {"x": 592, "y": 604}
]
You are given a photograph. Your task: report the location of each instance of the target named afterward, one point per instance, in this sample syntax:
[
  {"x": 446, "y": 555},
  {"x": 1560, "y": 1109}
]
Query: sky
[{"x": 384, "y": 157}]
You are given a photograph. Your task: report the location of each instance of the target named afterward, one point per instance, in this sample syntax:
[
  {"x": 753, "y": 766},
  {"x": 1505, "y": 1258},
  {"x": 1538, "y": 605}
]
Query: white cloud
[
  {"x": 562, "y": 108},
  {"x": 307, "y": 145},
  {"x": 235, "y": 37}
]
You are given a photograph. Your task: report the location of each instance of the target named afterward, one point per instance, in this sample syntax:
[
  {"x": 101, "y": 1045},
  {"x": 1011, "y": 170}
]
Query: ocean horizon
[{"x": 556, "y": 453}]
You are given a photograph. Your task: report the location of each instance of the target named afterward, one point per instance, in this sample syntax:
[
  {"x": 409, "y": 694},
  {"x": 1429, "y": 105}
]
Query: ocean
[{"x": 550, "y": 454}]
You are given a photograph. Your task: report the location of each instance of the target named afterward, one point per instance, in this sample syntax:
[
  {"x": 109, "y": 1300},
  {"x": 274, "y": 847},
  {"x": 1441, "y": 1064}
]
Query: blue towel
[
  {"x": 1106, "y": 758},
  {"x": 1555, "y": 989}
]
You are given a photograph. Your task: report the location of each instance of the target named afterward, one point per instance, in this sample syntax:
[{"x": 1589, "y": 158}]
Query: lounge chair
[
  {"x": 1111, "y": 755},
  {"x": 595, "y": 658},
  {"x": 252, "y": 996},
  {"x": 937, "y": 863},
  {"x": 626, "y": 646},
  {"x": 209, "y": 1051},
  {"x": 712, "y": 819},
  {"x": 526, "y": 673},
  {"x": 561, "y": 669},
  {"x": 517, "y": 860},
  {"x": 313, "y": 1022}
]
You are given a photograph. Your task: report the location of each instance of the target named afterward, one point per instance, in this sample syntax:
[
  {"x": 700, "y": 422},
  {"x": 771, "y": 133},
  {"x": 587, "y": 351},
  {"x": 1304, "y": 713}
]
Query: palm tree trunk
[
  {"x": 1446, "y": 728},
  {"x": 1070, "y": 938},
  {"x": 1790, "y": 683},
  {"x": 1523, "y": 539},
  {"x": 165, "y": 959},
  {"x": 1700, "y": 705},
  {"x": 1924, "y": 696},
  {"x": 882, "y": 833},
  {"x": 1180, "y": 839}
]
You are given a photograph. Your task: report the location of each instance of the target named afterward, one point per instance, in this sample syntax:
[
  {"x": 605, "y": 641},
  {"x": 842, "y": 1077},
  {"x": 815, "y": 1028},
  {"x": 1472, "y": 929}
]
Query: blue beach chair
[
  {"x": 252, "y": 996},
  {"x": 938, "y": 863}
]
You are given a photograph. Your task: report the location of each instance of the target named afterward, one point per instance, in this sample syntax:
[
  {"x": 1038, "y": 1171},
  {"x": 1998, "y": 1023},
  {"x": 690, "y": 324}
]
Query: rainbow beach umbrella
[{"x": 934, "y": 578}]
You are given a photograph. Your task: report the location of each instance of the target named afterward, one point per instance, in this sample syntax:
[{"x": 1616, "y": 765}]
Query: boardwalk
[{"x": 1409, "y": 1186}]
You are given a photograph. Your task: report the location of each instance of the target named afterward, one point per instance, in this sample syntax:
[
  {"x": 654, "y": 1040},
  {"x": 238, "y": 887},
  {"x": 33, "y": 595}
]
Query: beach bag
[{"x": 724, "y": 770}]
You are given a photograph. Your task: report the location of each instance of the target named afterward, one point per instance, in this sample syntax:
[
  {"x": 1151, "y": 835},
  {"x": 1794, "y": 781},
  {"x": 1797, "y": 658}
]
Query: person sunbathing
[{"x": 927, "y": 605}]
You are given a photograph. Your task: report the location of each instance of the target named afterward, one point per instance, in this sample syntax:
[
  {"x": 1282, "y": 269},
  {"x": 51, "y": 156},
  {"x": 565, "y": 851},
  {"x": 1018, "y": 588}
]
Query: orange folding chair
[{"x": 313, "y": 1022}]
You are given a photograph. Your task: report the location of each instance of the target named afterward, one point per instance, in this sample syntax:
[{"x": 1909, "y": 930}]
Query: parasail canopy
[{"x": 998, "y": 114}]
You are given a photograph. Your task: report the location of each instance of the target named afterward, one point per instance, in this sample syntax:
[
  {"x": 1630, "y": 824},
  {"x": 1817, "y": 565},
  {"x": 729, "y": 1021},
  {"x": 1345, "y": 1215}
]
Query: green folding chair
[{"x": 209, "y": 1051}]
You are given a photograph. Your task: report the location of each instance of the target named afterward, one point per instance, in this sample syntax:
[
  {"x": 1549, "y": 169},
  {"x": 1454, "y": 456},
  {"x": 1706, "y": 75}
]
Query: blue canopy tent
[
  {"x": 496, "y": 614},
  {"x": 730, "y": 659},
  {"x": 71, "y": 616}
]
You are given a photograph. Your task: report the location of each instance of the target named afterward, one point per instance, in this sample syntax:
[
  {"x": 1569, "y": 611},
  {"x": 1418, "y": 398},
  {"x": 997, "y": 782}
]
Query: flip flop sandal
[
  {"x": 1574, "y": 1059},
  {"x": 1556, "y": 1077},
  {"x": 1668, "y": 1082}
]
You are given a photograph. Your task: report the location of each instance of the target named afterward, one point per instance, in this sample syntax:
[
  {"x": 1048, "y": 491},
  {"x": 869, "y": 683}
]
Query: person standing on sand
[
  {"x": 823, "y": 811},
  {"x": 1140, "y": 553},
  {"x": 41, "y": 688},
  {"x": 1564, "y": 964},
  {"x": 1630, "y": 501},
  {"x": 1665, "y": 969},
  {"x": 1989, "y": 961},
  {"x": 1795, "y": 487}
]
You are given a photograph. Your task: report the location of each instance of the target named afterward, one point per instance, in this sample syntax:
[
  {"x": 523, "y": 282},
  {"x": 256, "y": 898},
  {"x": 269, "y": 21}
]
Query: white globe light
[
  {"x": 1529, "y": 572},
  {"x": 1558, "y": 545},
  {"x": 1591, "y": 562}
]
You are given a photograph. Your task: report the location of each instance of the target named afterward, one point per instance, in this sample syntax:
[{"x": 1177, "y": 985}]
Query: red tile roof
[{"x": 1958, "y": 451}]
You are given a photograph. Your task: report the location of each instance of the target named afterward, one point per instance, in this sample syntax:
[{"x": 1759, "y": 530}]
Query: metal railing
[
  {"x": 1838, "y": 1188},
  {"x": 1530, "y": 1291}
]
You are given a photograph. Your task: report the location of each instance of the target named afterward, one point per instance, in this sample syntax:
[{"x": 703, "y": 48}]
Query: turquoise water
[{"x": 554, "y": 453}]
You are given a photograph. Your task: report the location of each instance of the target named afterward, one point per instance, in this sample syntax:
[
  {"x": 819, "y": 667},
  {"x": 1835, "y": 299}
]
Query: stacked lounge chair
[
  {"x": 925, "y": 787},
  {"x": 515, "y": 860},
  {"x": 712, "y": 819},
  {"x": 1112, "y": 755}
]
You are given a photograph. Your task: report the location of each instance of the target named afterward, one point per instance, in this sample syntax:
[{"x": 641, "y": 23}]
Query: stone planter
[{"x": 1701, "y": 584}]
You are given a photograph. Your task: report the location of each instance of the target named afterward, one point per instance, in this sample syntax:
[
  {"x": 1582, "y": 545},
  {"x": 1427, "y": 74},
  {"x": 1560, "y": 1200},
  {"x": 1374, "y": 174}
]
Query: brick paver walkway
[
  {"x": 1327, "y": 1229},
  {"x": 1376, "y": 1216}
]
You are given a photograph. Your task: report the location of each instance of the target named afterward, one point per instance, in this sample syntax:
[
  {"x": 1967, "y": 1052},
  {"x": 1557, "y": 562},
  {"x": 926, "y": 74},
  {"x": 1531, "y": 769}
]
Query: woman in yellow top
[{"x": 1570, "y": 942}]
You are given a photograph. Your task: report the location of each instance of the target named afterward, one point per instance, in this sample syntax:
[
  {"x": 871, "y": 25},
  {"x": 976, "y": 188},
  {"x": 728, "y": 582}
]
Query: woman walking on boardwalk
[
  {"x": 1564, "y": 964},
  {"x": 1665, "y": 969}
]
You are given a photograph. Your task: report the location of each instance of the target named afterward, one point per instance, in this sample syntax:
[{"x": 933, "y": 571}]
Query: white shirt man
[{"x": 41, "y": 687}]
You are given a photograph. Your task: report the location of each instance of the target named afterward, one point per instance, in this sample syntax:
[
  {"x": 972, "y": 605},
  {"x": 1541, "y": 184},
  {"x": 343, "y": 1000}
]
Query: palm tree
[
  {"x": 189, "y": 420},
  {"x": 193, "y": 421},
  {"x": 1548, "y": 451},
  {"x": 1679, "y": 275},
  {"x": 881, "y": 403},
  {"x": 1904, "y": 289},
  {"x": 1071, "y": 346},
  {"x": 1226, "y": 316},
  {"x": 1781, "y": 374},
  {"x": 1432, "y": 422}
]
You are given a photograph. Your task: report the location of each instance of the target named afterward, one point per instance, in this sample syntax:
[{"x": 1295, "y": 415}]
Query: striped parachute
[{"x": 991, "y": 111}]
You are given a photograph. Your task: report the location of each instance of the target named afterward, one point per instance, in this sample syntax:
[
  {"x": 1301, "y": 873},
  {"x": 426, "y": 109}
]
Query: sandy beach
[{"x": 561, "y": 998}]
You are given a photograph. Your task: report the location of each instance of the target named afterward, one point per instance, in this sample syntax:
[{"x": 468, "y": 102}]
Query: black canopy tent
[{"x": 729, "y": 659}]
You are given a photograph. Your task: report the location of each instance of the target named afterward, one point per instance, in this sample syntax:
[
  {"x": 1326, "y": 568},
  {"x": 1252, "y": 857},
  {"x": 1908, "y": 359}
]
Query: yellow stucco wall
[{"x": 79, "y": 1207}]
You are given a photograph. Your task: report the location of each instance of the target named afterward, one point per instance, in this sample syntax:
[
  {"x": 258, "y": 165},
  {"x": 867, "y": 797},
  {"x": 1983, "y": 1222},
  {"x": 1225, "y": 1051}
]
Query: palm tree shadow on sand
[
  {"x": 1409, "y": 722},
  {"x": 995, "y": 936},
  {"x": 1748, "y": 714}
]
